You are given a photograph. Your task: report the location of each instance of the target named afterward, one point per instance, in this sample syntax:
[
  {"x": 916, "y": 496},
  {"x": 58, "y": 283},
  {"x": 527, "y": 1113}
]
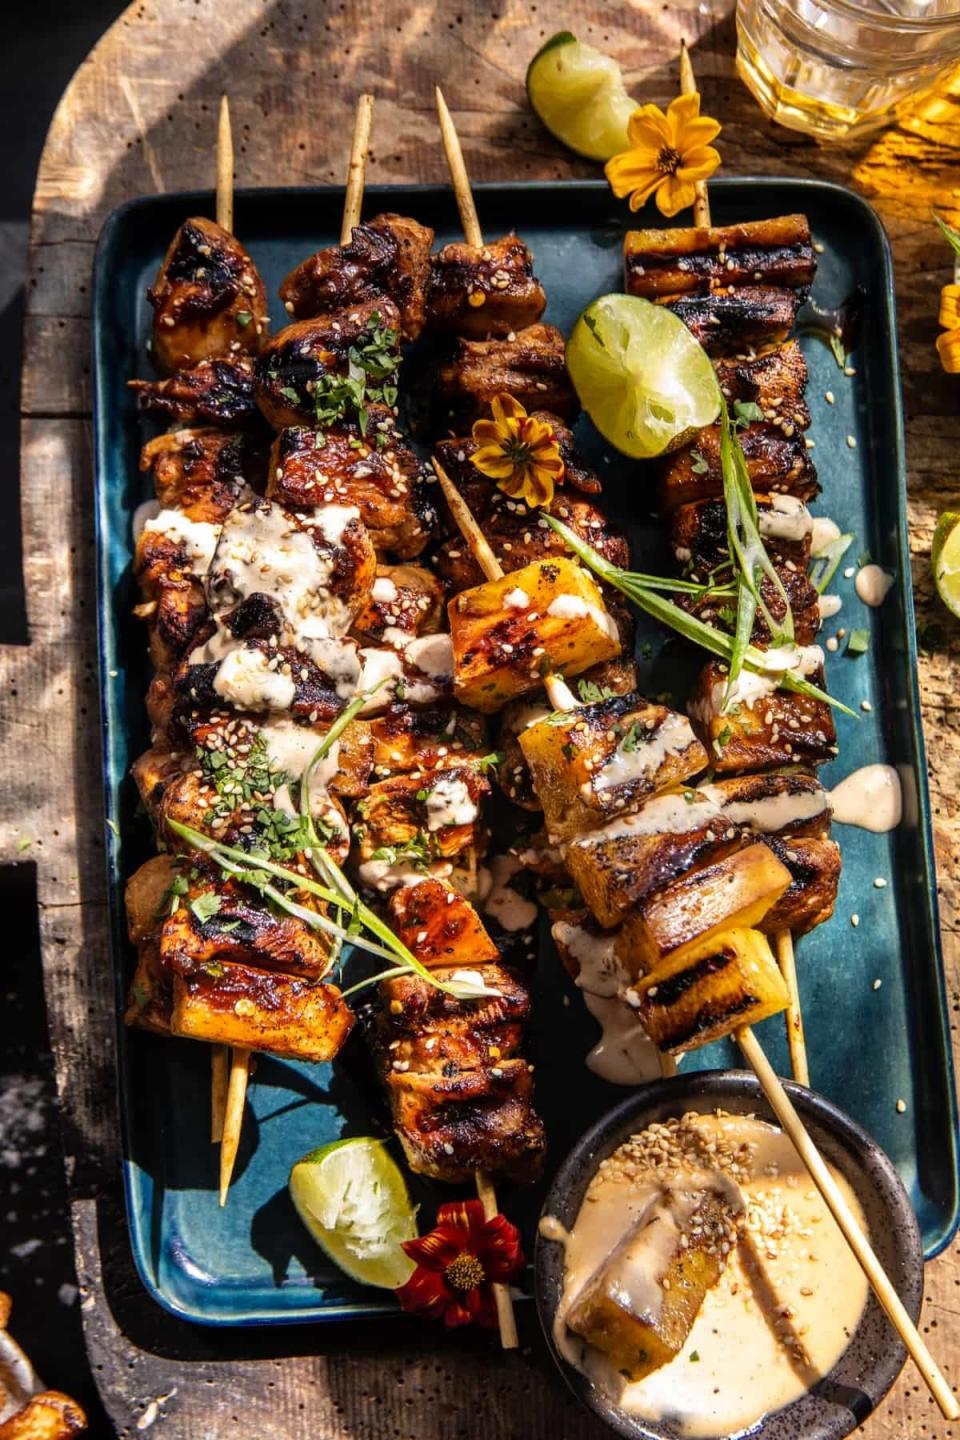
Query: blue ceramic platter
[{"x": 252, "y": 1263}]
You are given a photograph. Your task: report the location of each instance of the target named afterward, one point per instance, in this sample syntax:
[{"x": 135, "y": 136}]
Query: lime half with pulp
[
  {"x": 643, "y": 379},
  {"x": 946, "y": 560},
  {"x": 579, "y": 94},
  {"x": 353, "y": 1199}
]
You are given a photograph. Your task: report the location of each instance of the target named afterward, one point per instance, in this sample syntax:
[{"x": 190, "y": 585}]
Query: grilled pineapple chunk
[
  {"x": 736, "y": 892},
  {"x": 508, "y": 633},
  {"x": 439, "y": 926},
  {"x": 604, "y": 758},
  {"x": 632, "y": 856},
  {"x": 723, "y": 983},
  {"x": 640, "y": 1306},
  {"x": 234, "y": 1004}
]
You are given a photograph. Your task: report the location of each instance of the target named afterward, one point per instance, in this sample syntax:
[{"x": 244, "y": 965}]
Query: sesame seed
[
  {"x": 829, "y": 396},
  {"x": 877, "y": 983},
  {"x": 851, "y": 442},
  {"x": 901, "y": 1106},
  {"x": 866, "y": 706},
  {"x": 854, "y": 921},
  {"x": 850, "y": 571},
  {"x": 879, "y": 883}
]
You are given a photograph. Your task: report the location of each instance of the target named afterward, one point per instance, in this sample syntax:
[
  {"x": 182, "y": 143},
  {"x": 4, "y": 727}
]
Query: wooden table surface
[{"x": 139, "y": 117}]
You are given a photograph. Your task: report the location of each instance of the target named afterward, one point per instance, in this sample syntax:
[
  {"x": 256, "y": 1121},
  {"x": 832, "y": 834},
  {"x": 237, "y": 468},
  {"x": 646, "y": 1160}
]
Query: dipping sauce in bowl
[{"x": 693, "y": 1283}]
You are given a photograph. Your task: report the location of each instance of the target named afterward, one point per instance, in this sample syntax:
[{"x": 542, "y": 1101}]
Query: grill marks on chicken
[
  {"x": 484, "y": 291},
  {"x": 208, "y": 298},
  {"x": 529, "y": 365},
  {"x": 214, "y": 392},
  {"x": 389, "y": 255}
]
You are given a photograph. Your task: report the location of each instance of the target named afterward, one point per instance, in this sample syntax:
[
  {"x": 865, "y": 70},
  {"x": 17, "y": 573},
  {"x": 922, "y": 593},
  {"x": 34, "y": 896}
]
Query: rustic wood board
[{"x": 139, "y": 117}]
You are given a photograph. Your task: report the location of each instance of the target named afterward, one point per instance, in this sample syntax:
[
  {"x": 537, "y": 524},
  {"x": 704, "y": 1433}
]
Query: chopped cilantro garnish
[
  {"x": 591, "y": 693},
  {"x": 205, "y": 906}
]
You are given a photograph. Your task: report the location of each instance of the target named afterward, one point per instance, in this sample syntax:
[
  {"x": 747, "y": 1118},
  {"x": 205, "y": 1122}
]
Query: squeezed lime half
[
  {"x": 352, "y": 1197},
  {"x": 945, "y": 558},
  {"x": 643, "y": 379},
  {"x": 579, "y": 94}
]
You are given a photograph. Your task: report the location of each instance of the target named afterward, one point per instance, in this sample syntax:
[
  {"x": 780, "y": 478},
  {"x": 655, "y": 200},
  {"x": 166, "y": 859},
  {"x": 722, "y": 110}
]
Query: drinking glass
[{"x": 837, "y": 68}]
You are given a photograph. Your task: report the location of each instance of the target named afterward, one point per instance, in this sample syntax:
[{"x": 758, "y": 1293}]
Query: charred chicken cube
[
  {"x": 774, "y": 380},
  {"x": 218, "y": 926},
  {"x": 306, "y": 374},
  {"x": 698, "y": 534},
  {"x": 795, "y": 589},
  {"x": 215, "y": 392},
  {"x": 738, "y": 317},
  {"x": 377, "y": 471},
  {"x": 148, "y": 896},
  {"x": 388, "y": 255},
  {"x": 238, "y": 1004},
  {"x": 727, "y": 981},
  {"x": 406, "y": 737},
  {"x": 778, "y": 464},
  {"x": 418, "y": 818},
  {"x": 412, "y": 1005},
  {"x": 170, "y": 563},
  {"x": 761, "y": 252},
  {"x": 243, "y": 669},
  {"x": 405, "y": 601},
  {"x": 814, "y": 865},
  {"x": 508, "y": 633},
  {"x": 760, "y": 727},
  {"x": 787, "y": 803},
  {"x": 616, "y": 867},
  {"x": 486, "y": 290},
  {"x": 604, "y": 758},
  {"x": 208, "y": 299},
  {"x": 203, "y": 472},
  {"x": 528, "y": 364},
  {"x": 440, "y": 927},
  {"x": 734, "y": 893},
  {"x": 451, "y": 1126},
  {"x": 673, "y": 1253}
]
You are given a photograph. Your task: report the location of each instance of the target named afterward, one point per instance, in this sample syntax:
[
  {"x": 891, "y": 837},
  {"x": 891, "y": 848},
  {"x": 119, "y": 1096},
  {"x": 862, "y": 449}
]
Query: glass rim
[{"x": 865, "y": 11}]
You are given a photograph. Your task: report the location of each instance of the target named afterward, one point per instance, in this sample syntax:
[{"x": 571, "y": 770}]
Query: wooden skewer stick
[
  {"x": 458, "y": 175},
  {"x": 560, "y": 695},
  {"x": 780, "y": 1102},
  {"x": 219, "y": 1070},
  {"x": 783, "y": 1108},
  {"x": 236, "y": 1088},
  {"x": 356, "y": 174},
  {"x": 783, "y": 940},
  {"x": 506, "y": 1319}
]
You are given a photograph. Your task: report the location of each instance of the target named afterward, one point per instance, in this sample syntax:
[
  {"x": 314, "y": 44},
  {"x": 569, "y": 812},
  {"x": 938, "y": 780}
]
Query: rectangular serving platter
[{"x": 252, "y": 1263}]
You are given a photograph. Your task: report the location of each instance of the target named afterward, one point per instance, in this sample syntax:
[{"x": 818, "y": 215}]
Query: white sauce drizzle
[
  {"x": 770, "y": 814},
  {"x": 786, "y": 518},
  {"x": 246, "y": 681},
  {"x": 502, "y": 902},
  {"x": 145, "y": 511},
  {"x": 872, "y": 585},
  {"x": 449, "y": 803},
  {"x": 650, "y": 750},
  {"x": 823, "y": 533},
  {"x": 829, "y": 605},
  {"x": 291, "y": 747},
  {"x": 754, "y": 685},
  {"x": 623, "y": 1055},
  {"x": 872, "y": 798},
  {"x": 516, "y": 599},
  {"x": 197, "y": 538},
  {"x": 663, "y": 815}
]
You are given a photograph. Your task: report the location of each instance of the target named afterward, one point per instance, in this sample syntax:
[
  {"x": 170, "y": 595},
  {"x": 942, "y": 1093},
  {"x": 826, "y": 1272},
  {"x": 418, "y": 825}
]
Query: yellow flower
[
  {"x": 669, "y": 153},
  {"x": 950, "y": 307},
  {"x": 948, "y": 348},
  {"x": 518, "y": 451}
]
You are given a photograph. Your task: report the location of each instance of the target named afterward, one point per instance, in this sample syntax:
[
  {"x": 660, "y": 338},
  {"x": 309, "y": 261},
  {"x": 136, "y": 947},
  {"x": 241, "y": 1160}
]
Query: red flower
[{"x": 457, "y": 1263}]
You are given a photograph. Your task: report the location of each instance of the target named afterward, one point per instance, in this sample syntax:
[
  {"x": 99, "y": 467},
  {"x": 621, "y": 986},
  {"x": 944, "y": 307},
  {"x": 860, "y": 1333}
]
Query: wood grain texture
[{"x": 139, "y": 117}]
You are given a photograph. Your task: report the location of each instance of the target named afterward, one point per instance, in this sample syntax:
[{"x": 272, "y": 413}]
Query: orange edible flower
[
  {"x": 519, "y": 451},
  {"x": 669, "y": 153},
  {"x": 948, "y": 348}
]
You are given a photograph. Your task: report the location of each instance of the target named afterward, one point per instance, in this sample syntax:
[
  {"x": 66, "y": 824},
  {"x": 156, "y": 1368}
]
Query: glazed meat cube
[
  {"x": 698, "y": 534},
  {"x": 735, "y": 893},
  {"x": 437, "y": 814},
  {"x": 440, "y": 927},
  {"x": 671, "y": 1252},
  {"x": 406, "y": 601},
  {"x": 605, "y": 758},
  {"x": 814, "y": 866},
  {"x": 762, "y": 727},
  {"x": 508, "y": 633},
  {"x": 775, "y": 380},
  {"x": 487, "y": 291},
  {"x": 777, "y": 465},
  {"x": 409, "y": 738},
  {"x": 389, "y": 255},
  {"x": 215, "y": 392},
  {"x": 378, "y": 472},
  {"x": 619, "y": 865},
  {"x": 295, "y": 365},
  {"x": 788, "y": 803},
  {"x": 238, "y": 932},
  {"x": 203, "y": 472},
  {"x": 208, "y": 299},
  {"x": 412, "y": 1006},
  {"x": 528, "y": 364},
  {"x": 236, "y": 1004},
  {"x": 482, "y": 1119},
  {"x": 736, "y": 318},
  {"x": 255, "y": 675},
  {"x": 767, "y": 252},
  {"x": 728, "y": 981}
]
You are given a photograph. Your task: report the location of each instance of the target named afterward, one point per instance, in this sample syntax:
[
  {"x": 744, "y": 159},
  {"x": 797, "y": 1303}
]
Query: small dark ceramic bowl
[{"x": 874, "y": 1357}]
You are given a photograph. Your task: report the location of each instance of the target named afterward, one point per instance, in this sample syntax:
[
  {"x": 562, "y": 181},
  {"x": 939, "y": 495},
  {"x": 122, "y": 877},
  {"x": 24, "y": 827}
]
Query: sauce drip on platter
[
  {"x": 870, "y": 797},
  {"x": 789, "y": 1294}
]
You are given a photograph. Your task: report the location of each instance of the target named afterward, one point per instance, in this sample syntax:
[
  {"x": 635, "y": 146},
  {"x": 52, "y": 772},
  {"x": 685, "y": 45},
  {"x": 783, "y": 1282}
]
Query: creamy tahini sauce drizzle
[
  {"x": 822, "y": 533},
  {"x": 752, "y": 685},
  {"x": 872, "y": 797},
  {"x": 786, "y": 518},
  {"x": 646, "y": 754},
  {"x": 751, "y": 1358},
  {"x": 663, "y": 815},
  {"x": 770, "y": 813},
  {"x": 623, "y": 1054},
  {"x": 872, "y": 584}
]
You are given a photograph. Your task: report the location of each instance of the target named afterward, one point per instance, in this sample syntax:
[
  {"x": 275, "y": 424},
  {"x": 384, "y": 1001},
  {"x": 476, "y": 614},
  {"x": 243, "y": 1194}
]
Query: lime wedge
[
  {"x": 353, "y": 1199},
  {"x": 643, "y": 379},
  {"x": 946, "y": 560},
  {"x": 579, "y": 94}
]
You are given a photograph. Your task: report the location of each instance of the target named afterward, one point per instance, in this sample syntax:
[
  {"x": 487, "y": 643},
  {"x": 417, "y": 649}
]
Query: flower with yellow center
[
  {"x": 518, "y": 451},
  {"x": 669, "y": 153}
]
